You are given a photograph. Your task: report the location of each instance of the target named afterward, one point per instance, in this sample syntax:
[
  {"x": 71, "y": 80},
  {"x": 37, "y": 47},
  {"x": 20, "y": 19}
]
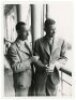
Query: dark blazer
[
  {"x": 20, "y": 63},
  {"x": 43, "y": 81}
]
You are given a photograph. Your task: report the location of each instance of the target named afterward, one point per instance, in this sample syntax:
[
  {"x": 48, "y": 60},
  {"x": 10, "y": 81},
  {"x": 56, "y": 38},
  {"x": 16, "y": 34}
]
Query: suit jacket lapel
[
  {"x": 24, "y": 50},
  {"x": 46, "y": 47},
  {"x": 53, "y": 49},
  {"x": 54, "y": 46},
  {"x": 29, "y": 49}
]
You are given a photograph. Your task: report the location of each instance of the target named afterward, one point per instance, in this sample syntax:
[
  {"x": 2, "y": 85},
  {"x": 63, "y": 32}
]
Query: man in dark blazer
[
  {"x": 51, "y": 52},
  {"x": 20, "y": 57}
]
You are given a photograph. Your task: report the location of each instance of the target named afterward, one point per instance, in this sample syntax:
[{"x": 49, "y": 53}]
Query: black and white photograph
[{"x": 37, "y": 49}]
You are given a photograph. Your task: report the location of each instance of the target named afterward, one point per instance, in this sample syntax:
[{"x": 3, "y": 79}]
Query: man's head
[
  {"x": 49, "y": 27},
  {"x": 22, "y": 30}
]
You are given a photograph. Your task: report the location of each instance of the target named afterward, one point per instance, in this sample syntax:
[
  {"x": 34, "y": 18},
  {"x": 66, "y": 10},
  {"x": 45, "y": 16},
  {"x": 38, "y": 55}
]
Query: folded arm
[
  {"x": 63, "y": 59},
  {"x": 16, "y": 64}
]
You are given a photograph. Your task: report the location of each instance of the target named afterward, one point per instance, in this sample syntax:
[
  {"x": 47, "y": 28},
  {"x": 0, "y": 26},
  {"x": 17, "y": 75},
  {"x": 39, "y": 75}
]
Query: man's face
[
  {"x": 50, "y": 31},
  {"x": 23, "y": 35}
]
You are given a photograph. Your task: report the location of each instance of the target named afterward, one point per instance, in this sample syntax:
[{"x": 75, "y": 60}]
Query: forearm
[
  {"x": 21, "y": 66},
  {"x": 39, "y": 63},
  {"x": 61, "y": 62}
]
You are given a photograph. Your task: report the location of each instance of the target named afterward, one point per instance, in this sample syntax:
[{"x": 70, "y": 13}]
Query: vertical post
[
  {"x": 22, "y": 12},
  {"x": 61, "y": 83},
  {"x": 48, "y": 10},
  {"x": 36, "y": 21}
]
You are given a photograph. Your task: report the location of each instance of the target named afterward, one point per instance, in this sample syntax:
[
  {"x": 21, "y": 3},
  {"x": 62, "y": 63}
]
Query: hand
[
  {"x": 34, "y": 58},
  {"x": 50, "y": 68},
  {"x": 60, "y": 63},
  {"x": 57, "y": 64}
]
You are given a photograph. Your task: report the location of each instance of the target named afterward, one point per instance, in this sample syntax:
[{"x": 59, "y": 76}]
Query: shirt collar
[{"x": 22, "y": 42}]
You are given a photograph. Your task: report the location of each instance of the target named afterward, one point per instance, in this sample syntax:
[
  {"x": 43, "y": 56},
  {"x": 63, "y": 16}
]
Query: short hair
[
  {"x": 19, "y": 25},
  {"x": 48, "y": 22}
]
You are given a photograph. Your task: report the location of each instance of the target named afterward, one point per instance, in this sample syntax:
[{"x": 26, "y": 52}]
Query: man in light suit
[
  {"x": 20, "y": 56},
  {"x": 51, "y": 52}
]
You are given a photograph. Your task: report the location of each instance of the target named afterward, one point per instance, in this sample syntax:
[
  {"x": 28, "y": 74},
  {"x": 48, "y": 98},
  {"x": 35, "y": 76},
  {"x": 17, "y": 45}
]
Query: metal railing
[{"x": 67, "y": 72}]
